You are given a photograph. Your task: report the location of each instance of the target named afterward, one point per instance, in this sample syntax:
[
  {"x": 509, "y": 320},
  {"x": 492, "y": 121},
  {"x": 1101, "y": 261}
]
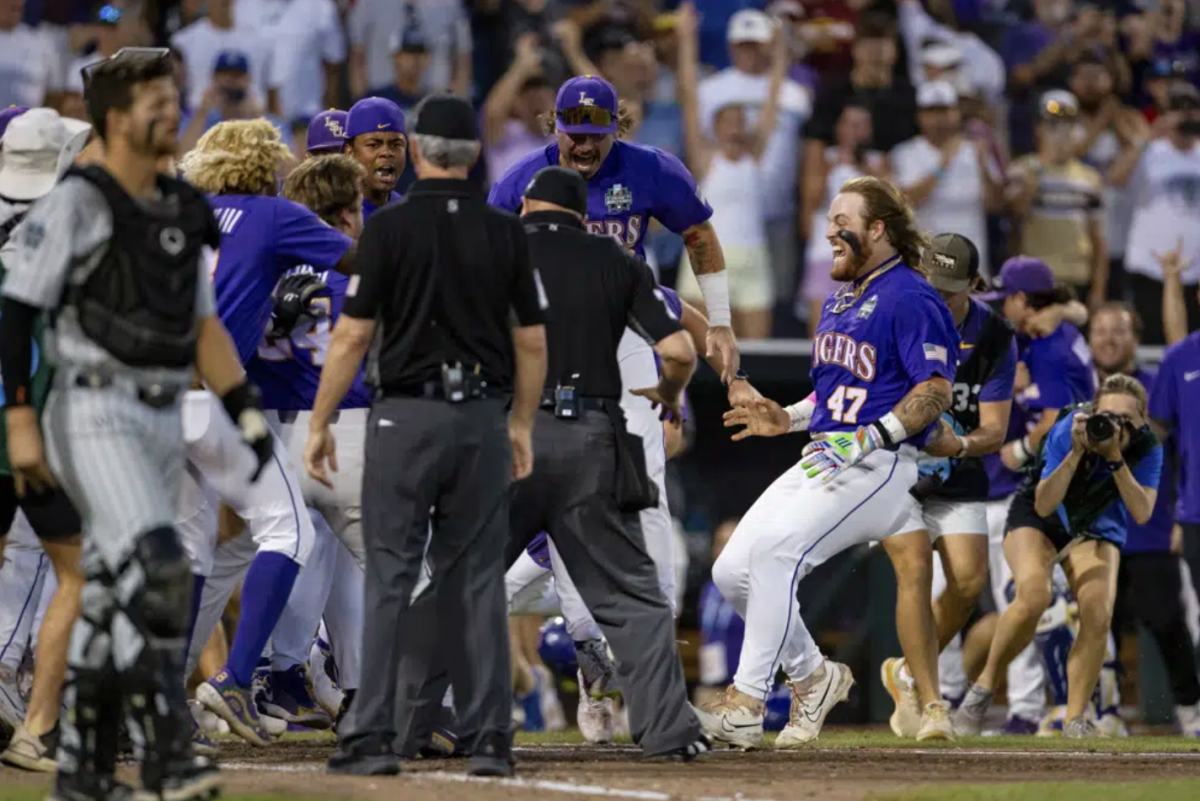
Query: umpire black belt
[
  {"x": 433, "y": 390},
  {"x": 156, "y": 396}
]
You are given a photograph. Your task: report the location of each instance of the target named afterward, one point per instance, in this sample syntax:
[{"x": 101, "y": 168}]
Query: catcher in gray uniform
[{"x": 118, "y": 256}]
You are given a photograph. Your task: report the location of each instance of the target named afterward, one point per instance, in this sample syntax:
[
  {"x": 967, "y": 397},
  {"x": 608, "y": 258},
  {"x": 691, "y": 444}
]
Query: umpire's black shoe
[
  {"x": 77, "y": 787},
  {"x": 689, "y": 753},
  {"x": 493, "y": 757},
  {"x": 365, "y": 757},
  {"x": 195, "y": 779}
]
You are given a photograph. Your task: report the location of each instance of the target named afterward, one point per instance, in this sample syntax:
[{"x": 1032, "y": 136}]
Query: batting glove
[
  {"x": 830, "y": 457},
  {"x": 243, "y": 404},
  {"x": 294, "y": 301}
]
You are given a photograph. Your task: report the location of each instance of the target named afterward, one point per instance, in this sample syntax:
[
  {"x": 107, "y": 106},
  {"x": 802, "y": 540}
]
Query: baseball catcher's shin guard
[
  {"x": 90, "y": 732},
  {"x": 154, "y": 595}
]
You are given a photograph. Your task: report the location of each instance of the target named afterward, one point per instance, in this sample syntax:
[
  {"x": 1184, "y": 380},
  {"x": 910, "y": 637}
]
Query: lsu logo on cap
[{"x": 334, "y": 127}]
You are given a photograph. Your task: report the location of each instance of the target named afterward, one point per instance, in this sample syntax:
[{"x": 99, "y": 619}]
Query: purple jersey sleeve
[
  {"x": 927, "y": 346},
  {"x": 507, "y": 192},
  {"x": 1000, "y": 386},
  {"x": 678, "y": 204},
  {"x": 302, "y": 237}
]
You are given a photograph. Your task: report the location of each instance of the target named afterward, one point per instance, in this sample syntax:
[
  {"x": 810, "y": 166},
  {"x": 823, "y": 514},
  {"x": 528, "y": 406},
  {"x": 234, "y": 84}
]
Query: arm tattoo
[
  {"x": 704, "y": 250},
  {"x": 923, "y": 404},
  {"x": 935, "y": 437}
]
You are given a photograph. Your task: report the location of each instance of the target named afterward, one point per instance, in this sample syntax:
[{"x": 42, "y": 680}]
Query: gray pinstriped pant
[{"x": 121, "y": 462}]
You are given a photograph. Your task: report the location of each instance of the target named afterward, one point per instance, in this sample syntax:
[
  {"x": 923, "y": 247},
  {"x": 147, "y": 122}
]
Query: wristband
[
  {"x": 891, "y": 428},
  {"x": 242, "y": 397},
  {"x": 1115, "y": 466},
  {"x": 1021, "y": 450},
  {"x": 715, "y": 289},
  {"x": 963, "y": 447},
  {"x": 801, "y": 414}
]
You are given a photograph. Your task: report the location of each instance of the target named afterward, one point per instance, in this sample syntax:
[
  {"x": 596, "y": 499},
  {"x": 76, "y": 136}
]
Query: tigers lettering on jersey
[
  {"x": 628, "y": 232},
  {"x": 842, "y": 350}
]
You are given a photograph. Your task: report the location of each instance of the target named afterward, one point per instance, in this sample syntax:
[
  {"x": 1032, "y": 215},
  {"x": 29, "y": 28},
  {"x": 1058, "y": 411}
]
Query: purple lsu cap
[
  {"x": 1021, "y": 274},
  {"x": 327, "y": 131},
  {"x": 374, "y": 114},
  {"x": 9, "y": 114},
  {"x": 586, "y": 104}
]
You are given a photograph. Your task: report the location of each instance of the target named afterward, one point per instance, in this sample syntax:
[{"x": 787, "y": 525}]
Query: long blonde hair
[
  {"x": 238, "y": 157},
  {"x": 884, "y": 202}
]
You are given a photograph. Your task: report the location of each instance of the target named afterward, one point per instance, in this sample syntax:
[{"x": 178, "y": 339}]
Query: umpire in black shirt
[
  {"x": 440, "y": 277},
  {"x": 587, "y": 468}
]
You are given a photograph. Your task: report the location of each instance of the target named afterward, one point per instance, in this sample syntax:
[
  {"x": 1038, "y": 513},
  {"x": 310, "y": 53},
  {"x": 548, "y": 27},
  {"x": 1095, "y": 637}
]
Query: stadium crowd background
[{"x": 948, "y": 97}]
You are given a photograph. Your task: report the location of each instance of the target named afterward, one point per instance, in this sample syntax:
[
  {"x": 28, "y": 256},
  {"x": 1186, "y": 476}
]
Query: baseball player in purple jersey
[
  {"x": 376, "y": 139},
  {"x": 262, "y": 236},
  {"x": 289, "y": 361},
  {"x": 884, "y": 362},
  {"x": 1055, "y": 370},
  {"x": 628, "y": 185},
  {"x": 326, "y": 133}
]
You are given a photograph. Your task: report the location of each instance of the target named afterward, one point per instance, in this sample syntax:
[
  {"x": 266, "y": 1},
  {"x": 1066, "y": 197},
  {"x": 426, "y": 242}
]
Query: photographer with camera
[{"x": 1099, "y": 467}]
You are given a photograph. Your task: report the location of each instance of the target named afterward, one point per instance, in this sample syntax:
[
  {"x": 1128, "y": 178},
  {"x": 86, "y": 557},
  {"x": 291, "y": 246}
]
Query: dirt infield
[{"x": 838, "y": 770}]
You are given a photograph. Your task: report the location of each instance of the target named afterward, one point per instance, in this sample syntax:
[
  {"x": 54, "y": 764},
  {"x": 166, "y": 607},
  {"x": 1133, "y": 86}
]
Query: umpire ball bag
[{"x": 139, "y": 303}]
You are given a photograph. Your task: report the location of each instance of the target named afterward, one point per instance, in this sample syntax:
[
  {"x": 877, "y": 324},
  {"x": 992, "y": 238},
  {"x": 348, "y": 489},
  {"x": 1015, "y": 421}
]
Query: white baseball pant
[
  {"x": 21, "y": 587},
  {"x": 219, "y": 467},
  {"x": 530, "y": 588},
  {"x": 1026, "y": 676},
  {"x": 796, "y": 525}
]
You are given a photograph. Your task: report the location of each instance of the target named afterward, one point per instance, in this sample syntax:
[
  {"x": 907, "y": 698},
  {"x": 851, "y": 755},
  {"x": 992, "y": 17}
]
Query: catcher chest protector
[{"x": 139, "y": 303}]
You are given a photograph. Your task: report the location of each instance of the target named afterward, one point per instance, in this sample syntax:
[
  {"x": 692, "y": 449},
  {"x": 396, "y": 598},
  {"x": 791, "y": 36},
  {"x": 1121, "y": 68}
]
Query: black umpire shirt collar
[
  {"x": 444, "y": 186},
  {"x": 552, "y": 218}
]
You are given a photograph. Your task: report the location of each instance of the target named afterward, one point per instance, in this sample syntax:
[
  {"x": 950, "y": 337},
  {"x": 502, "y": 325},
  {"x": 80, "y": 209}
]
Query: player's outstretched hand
[
  {"x": 293, "y": 300},
  {"x": 830, "y": 457},
  {"x": 321, "y": 449},
  {"x": 26, "y": 453},
  {"x": 671, "y": 409},
  {"x": 722, "y": 344},
  {"x": 742, "y": 393},
  {"x": 761, "y": 418}
]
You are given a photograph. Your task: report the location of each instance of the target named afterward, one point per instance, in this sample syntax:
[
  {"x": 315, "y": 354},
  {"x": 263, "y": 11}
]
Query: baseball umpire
[
  {"x": 119, "y": 256},
  {"x": 588, "y": 468},
  {"x": 439, "y": 276}
]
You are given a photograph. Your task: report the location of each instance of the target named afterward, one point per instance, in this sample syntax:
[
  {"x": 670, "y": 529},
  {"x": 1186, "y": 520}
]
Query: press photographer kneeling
[{"x": 1099, "y": 466}]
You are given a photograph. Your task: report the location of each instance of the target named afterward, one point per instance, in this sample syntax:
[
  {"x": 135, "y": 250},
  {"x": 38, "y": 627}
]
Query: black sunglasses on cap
[
  {"x": 581, "y": 115},
  {"x": 127, "y": 55}
]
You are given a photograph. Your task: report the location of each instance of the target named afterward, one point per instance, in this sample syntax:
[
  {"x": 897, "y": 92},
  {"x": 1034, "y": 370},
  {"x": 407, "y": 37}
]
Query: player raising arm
[{"x": 882, "y": 369}]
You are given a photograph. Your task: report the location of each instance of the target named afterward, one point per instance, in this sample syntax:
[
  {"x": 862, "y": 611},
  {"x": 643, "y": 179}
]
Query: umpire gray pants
[
  {"x": 454, "y": 459},
  {"x": 571, "y": 496}
]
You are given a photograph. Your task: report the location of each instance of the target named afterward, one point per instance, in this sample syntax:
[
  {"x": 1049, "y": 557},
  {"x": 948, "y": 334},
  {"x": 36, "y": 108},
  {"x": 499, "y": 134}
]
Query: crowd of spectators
[{"x": 1060, "y": 129}]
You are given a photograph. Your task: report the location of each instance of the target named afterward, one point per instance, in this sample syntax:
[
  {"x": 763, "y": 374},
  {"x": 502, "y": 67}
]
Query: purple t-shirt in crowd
[
  {"x": 1155, "y": 533},
  {"x": 370, "y": 208},
  {"x": 1173, "y": 402},
  {"x": 867, "y": 358},
  {"x": 1060, "y": 374},
  {"x": 288, "y": 371},
  {"x": 634, "y": 184},
  {"x": 261, "y": 238}
]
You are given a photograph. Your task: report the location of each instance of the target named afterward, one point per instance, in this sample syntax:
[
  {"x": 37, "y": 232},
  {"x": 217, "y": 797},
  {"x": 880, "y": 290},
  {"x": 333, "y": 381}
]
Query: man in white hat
[
  {"x": 749, "y": 34},
  {"x": 37, "y": 148}
]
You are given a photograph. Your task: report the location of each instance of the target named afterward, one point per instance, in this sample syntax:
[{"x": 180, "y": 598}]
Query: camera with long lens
[{"x": 1102, "y": 426}]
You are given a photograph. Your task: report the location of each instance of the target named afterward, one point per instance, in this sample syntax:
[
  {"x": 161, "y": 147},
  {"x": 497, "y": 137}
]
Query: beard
[{"x": 850, "y": 266}]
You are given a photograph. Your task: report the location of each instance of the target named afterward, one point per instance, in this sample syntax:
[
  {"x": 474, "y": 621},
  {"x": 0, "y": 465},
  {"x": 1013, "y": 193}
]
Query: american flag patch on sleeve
[{"x": 936, "y": 353}]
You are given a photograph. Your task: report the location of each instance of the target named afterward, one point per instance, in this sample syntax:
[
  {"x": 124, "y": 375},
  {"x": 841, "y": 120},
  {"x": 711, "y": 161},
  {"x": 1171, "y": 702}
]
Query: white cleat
[
  {"x": 322, "y": 678},
  {"x": 12, "y": 705},
  {"x": 812, "y": 699},
  {"x": 594, "y": 716},
  {"x": 736, "y": 720},
  {"x": 1189, "y": 720},
  {"x": 906, "y": 719},
  {"x": 935, "y": 723}
]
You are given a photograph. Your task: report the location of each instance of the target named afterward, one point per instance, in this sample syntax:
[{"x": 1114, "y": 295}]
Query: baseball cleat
[
  {"x": 1189, "y": 720},
  {"x": 597, "y": 673},
  {"x": 322, "y": 676},
  {"x": 347, "y": 699},
  {"x": 736, "y": 719},
  {"x": 73, "y": 787},
  {"x": 12, "y": 705},
  {"x": 1019, "y": 726},
  {"x": 202, "y": 744},
  {"x": 812, "y": 700},
  {"x": 1081, "y": 728},
  {"x": 195, "y": 779},
  {"x": 935, "y": 723},
  {"x": 31, "y": 752},
  {"x": 234, "y": 705},
  {"x": 968, "y": 719},
  {"x": 906, "y": 719},
  {"x": 1111, "y": 724},
  {"x": 286, "y": 696},
  {"x": 689, "y": 753},
  {"x": 594, "y": 716},
  {"x": 1052, "y": 724}
]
